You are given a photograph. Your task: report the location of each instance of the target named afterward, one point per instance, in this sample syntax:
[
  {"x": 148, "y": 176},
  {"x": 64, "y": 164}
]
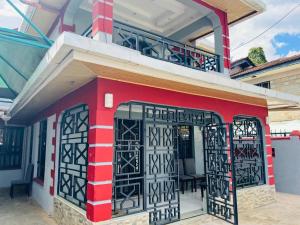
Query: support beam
[
  {"x": 43, "y": 36},
  {"x": 102, "y": 20}
]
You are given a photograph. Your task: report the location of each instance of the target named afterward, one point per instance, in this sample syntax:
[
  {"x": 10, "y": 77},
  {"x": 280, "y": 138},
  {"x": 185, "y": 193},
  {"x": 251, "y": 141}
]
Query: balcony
[{"x": 162, "y": 48}]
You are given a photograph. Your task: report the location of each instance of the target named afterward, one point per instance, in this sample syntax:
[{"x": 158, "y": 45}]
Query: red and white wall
[{"x": 101, "y": 122}]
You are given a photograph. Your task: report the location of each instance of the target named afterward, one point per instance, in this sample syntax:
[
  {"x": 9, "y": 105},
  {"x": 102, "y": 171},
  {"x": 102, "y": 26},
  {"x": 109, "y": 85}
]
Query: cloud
[
  {"x": 279, "y": 44},
  {"x": 246, "y": 30},
  {"x": 292, "y": 52}
]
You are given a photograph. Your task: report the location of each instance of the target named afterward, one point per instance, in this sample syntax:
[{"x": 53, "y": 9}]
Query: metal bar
[
  {"x": 44, "y": 37},
  {"x": 24, "y": 42},
  {"x": 235, "y": 208},
  {"x": 13, "y": 67},
  {"x": 12, "y": 90}
]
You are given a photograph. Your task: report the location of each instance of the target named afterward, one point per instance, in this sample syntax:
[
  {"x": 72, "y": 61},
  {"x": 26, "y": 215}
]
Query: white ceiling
[{"x": 159, "y": 16}]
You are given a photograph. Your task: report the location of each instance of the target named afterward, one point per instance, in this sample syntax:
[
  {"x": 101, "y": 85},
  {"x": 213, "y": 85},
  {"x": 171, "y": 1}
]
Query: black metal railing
[
  {"x": 280, "y": 133},
  {"x": 162, "y": 48}
]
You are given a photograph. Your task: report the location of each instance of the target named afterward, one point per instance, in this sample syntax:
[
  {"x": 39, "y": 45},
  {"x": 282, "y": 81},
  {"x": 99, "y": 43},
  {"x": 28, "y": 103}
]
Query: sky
[{"x": 282, "y": 40}]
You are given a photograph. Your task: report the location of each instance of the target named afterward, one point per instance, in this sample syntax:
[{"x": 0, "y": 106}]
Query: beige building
[{"x": 282, "y": 75}]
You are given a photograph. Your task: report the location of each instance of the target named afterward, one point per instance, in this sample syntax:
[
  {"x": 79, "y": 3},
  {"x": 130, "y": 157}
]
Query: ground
[
  {"x": 24, "y": 211},
  {"x": 21, "y": 211}
]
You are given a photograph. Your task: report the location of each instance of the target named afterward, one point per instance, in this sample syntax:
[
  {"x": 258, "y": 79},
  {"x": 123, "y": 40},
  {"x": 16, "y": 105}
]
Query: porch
[{"x": 22, "y": 210}]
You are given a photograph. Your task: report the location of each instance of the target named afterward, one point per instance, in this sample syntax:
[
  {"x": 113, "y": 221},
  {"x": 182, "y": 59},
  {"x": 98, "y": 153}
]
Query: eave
[{"x": 74, "y": 60}]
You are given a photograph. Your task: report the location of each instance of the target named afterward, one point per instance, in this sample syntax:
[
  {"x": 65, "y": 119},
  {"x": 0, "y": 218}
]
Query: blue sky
[
  {"x": 286, "y": 44},
  {"x": 282, "y": 40}
]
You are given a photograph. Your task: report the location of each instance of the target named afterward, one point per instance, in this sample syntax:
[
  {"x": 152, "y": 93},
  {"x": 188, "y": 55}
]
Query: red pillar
[
  {"x": 100, "y": 169},
  {"x": 102, "y": 20}
]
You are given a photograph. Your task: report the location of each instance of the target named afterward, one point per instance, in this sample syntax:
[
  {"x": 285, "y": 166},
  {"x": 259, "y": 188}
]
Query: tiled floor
[
  {"x": 21, "y": 211},
  {"x": 286, "y": 211}
]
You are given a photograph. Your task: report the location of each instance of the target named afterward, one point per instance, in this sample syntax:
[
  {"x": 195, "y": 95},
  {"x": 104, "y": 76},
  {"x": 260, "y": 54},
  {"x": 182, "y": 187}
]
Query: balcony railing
[{"x": 162, "y": 48}]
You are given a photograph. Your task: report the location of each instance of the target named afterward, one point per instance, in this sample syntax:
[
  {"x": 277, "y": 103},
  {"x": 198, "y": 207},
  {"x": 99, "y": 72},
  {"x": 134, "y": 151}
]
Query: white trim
[
  {"x": 102, "y": 17},
  {"x": 269, "y": 155},
  {"x": 268, "y": 135},
  {"x": 100, "y": 182},
  {"x": 270, "y": 176},
  {"x": 270, "y": 165},
  {"x": 99, "y": 202},
  {"x": 268, "y": 145},
  {"x": 102, "y": 127},
  {"x": 101, "y": 145},
  {"x": 103, "y": 1},
  {"x": 100, "y": 163}
]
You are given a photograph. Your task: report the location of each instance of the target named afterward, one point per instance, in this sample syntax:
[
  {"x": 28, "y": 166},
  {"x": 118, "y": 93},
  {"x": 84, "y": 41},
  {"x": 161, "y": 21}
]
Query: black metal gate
[
  {"x": 220, "y": 173},
  {"x": 161, "y": 170},
  {"x": 146, "y": 176},
  {"x": 73, "y": 155}
]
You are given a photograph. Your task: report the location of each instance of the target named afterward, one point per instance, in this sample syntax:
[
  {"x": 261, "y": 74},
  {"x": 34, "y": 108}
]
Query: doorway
[{"x": 162, "y": 158}]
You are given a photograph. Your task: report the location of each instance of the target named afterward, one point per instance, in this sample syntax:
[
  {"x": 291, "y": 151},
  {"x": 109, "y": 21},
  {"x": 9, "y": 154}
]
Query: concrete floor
[
  {"x": 24, "y": 211},
  {"x": 21, "y": 211}
]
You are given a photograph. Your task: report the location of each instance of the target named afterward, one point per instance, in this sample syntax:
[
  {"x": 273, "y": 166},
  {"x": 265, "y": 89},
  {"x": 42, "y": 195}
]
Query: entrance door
[
  {"x": 220, "y": 174},
  {"x": 161, "y": 170}
]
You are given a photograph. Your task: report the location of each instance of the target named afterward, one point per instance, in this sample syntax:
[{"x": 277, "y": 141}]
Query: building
[
  {"x": 282, "y": 75},
  {"x": 124, "y": 119}
]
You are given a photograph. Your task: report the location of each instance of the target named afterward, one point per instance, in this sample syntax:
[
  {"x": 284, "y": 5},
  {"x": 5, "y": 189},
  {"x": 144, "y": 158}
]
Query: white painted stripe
[
  {"x": 269, "y": 145},
  {"x": 100, "y": 182},
  {"x": 102, "y": 17},
  {"x": 105, "y": 2},
  {"x": 269, "y": 155},
  {"x": 100, "y": 163},
  {"x": 270, "y": 165},
  {"x": 268, "y": 135},
  {"x": 224, "y": 46},
  {"x": 101, "y": 127},
  {"x": 99, "y": 202},
  {"x": 101, "y": 145},
  {"x": 271, "y": 176},
  {"x": 225, "y": 36}
]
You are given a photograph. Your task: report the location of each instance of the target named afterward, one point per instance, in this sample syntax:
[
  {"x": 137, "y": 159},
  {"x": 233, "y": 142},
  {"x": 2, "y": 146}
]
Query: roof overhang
[
  {"x": 73, "y": 61},
  {"x": 142, "y": 13}
]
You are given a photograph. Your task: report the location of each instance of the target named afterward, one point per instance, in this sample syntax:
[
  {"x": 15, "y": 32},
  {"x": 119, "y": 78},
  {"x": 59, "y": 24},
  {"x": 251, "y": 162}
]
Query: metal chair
[
  {"x": 184, "y": 179},
  {"x": 190, "y": 168},
  {"x": 27, "y": 181}
]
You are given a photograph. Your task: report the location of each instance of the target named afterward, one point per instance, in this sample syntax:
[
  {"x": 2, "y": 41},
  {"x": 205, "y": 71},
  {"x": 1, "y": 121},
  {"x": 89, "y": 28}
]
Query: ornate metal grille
[
  {"x": 162, "y": 48},
  {"x": 146, "y": 159},
  {"x": 248, "y": 152},
  {"x": 128, "y": 167},
  {"x": 221, "y": 191},
  {"x": 11, "y": 147},
  {"x": 73, "y": 155},
  {"x": 161, "y": 170}
]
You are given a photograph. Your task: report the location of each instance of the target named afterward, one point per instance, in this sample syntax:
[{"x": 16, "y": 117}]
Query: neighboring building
[
  {"x": 281, "y": 75},
  {"x": 119, "y": 111},
  {"x": 286, "y": 156}
]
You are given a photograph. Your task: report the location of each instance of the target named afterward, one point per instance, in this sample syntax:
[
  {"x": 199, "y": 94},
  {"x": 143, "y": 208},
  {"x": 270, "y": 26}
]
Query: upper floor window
[
  {"x": 11, "y": 147},
  {"x": 42, "y": 150},
  {"x": 266, "y": 84}
]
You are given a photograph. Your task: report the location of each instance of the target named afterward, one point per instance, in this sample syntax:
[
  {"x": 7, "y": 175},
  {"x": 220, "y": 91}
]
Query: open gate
[{"x": 220, "y": 173}]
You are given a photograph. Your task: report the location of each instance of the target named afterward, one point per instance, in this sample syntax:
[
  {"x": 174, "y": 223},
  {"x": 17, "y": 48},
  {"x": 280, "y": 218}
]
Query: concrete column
[
  {"x": 102, "y": 28},
  {"x": 100, "y": 167},
  {"x": 269, "y": 164}
]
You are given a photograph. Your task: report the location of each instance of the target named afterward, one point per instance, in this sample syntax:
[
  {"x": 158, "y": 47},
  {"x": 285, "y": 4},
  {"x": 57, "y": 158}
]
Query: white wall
[
  {"x": 41, "y": 193},
  {"x": 199, "y": 150},
  {"x": 287, "y": 165}
]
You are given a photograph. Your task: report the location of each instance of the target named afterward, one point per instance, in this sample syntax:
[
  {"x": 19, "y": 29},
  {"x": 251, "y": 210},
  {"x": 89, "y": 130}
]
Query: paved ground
[
  {"x": 24, "y": 211},
  {"x": 21, "y": 211}
]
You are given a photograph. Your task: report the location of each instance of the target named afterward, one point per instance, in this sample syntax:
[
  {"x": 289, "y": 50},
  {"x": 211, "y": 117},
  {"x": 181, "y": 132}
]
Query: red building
[{"x": 125, "y": 120}]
